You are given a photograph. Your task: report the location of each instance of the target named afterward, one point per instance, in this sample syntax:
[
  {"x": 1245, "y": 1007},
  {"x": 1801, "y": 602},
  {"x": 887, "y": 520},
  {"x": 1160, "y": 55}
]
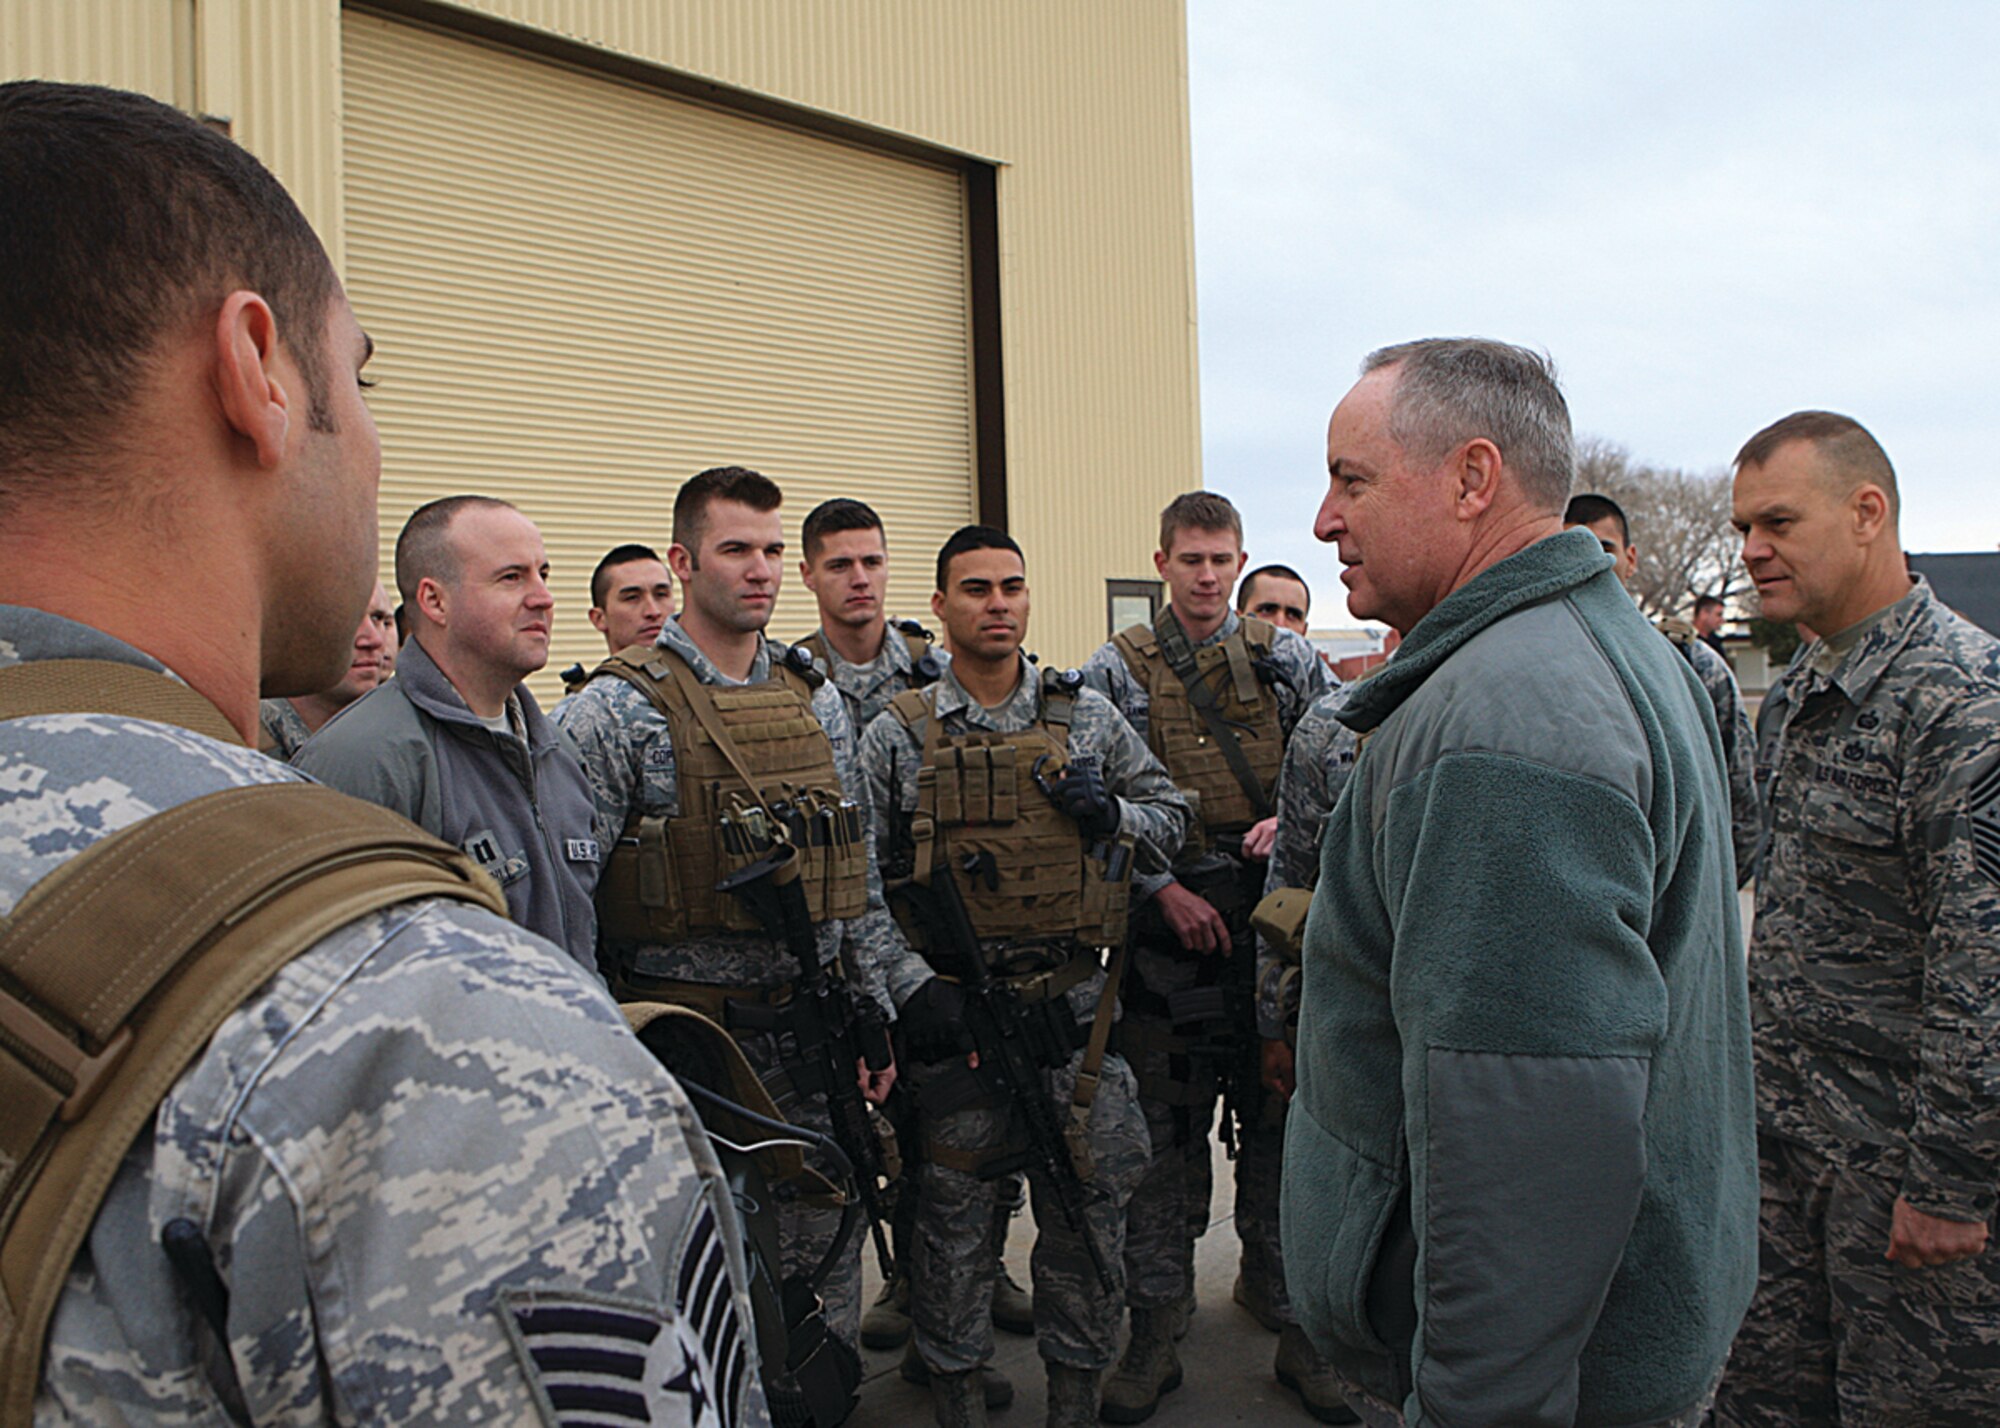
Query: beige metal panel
[
  {"x": 285, "y": 92},
  {"x": 1085, "y": 105},
  {"x": 129, "y": 44},
  {"x": 583, "y": 291}
]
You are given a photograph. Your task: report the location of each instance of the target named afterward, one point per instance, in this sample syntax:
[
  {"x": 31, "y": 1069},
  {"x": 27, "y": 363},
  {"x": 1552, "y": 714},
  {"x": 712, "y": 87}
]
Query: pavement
[{"x": 1225, "y": 1358}]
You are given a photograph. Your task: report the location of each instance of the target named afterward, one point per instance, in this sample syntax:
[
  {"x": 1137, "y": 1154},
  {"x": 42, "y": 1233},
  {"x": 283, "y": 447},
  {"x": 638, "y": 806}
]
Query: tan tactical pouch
[
  {"x": 1181, "y": 740},
  {"x": 1280, "y": 919},
  {"x": 976, "y": 793},
  {"x": 117, "y": 968},
  {"x": 659, "y": 883}
]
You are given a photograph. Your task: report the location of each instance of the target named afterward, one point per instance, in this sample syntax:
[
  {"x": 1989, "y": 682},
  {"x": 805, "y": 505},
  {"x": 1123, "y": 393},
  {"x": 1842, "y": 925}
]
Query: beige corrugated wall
[
  {"x": 583, "y": 291},
  {"x": 1082, "y": 102}
]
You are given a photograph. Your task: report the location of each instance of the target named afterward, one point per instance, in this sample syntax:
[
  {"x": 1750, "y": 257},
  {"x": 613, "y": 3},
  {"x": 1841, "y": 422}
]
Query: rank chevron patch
[{"x": 1984, "y": 804}]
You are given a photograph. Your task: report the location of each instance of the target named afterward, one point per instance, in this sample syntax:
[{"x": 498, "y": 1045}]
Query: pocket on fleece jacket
[{"x": 1332, "y": 1217}]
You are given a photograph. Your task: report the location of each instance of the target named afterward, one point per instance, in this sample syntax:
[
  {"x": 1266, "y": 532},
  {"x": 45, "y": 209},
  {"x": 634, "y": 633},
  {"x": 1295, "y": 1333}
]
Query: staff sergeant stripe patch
[{"x": 1984, "y": 802}]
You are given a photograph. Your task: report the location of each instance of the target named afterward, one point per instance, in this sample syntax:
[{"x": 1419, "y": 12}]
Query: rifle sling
[
  {"x": 1179, "y": 655},
  {"x": 1089, "y": 1070}
]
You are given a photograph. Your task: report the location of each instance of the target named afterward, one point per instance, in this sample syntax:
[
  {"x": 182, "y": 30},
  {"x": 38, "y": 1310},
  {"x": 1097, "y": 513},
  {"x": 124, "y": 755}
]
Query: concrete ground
[{"x": 1225, "y": 1358}]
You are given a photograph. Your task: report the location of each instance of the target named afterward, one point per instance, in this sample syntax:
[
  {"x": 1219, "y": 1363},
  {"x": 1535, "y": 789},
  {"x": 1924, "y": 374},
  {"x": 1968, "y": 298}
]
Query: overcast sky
[{"x": 1709, "y": 214}]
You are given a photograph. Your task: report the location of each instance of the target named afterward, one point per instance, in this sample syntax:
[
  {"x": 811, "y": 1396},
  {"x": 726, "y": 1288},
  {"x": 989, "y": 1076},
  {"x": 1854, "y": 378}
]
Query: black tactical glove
[
  {"x": 1080, "y": 793},
  {"x": 932, "y": 1022}
]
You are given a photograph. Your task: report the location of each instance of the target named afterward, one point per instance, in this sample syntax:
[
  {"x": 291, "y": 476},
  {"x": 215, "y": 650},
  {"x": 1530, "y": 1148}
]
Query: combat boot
[
  {"x": 1072, "y": 1397},
  {"x": 1183, "y": 1313},
  {"x": 1150, "y": 1368},
  {"x": 999, "y": 1388},
  {"x": 1257, "y": 1299},
  {"x": 1304, "y": 1372},
  {"x": 1013, "y": 1306},
  {"x": 956, "y": 1400},
  {"x": 887, "y": 1323}
]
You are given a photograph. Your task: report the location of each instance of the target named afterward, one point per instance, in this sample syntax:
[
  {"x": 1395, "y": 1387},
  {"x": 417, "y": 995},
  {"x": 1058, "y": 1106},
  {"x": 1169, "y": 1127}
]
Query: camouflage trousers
[
  {"x": 805, "y": 1231},
  {"x": 1177, "y": 1093},
  {"x": 1839, "y": 1335},
  {"x": 951, "y": 1278},
  {"x": 1260, "y": 1170}
]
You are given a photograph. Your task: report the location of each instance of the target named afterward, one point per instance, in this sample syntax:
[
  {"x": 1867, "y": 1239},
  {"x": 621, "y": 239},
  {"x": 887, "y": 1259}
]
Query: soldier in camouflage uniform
[
  {"x": 871, "y": 659},
  {"x": 1318, "y": 759},
  {"x": 422, "y": 1140},
  {"x": 1003, "y": 705},
  {"x": 1180, "y": 934},
  {"x": 727, "y": 554},
  {"x": 287, "y": 723},
  {"x": 1605, "y": 519},
  {"x": 1874, "y": 963}
]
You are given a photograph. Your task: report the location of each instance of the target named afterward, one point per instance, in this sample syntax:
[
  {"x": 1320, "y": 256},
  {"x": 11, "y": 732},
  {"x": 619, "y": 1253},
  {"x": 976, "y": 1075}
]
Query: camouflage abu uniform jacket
[
  {"x": 869, "y": 687},
  {"x": 409, "y": 1152},
  {"x": 284, "y": 730},
  {"x": 1739, "y": 753},
  {"x": 628, "y": 754},
  {"x": 1150, "y": 808},
  {"x": 1318, "y": 760},
  {"x": 1875, "y": 957}
]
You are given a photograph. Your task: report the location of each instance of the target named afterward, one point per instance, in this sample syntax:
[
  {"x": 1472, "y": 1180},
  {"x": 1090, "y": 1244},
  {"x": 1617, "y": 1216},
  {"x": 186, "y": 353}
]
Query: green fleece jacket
[{"x": 1520, "y": 1169}]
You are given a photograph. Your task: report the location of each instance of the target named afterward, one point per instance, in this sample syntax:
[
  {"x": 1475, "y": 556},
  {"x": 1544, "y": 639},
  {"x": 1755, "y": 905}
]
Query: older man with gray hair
[{"x": 1520, "y": 1171}]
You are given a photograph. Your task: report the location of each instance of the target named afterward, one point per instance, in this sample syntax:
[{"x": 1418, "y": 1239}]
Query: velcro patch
[
  {"x": 596, "y": 1362},
  {"x": 1984, "y": 805},
  {"x": 581, "y": 850}
]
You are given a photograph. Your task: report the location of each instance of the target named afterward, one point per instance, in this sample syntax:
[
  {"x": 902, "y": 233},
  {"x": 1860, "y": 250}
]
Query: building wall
[{"x": 1083, "y": 108}]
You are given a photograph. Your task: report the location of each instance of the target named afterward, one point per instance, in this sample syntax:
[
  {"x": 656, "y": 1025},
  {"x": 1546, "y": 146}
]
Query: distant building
[
  {"x": 1969, "y": 583},
  {"x": 1351, "y": 653}
]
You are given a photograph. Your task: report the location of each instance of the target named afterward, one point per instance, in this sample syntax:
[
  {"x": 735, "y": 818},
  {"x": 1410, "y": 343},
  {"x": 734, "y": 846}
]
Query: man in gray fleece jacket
[
  {"x": 1520, "y": 1171},
  {"x": 455, "y": 742}
]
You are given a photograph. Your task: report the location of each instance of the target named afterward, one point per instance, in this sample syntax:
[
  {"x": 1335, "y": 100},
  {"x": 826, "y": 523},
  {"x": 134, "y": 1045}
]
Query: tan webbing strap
[
  {"x": 117, "y": 968},
  {"x": 103, "y": 686},
  {"x": 1089, "y": 1071}
]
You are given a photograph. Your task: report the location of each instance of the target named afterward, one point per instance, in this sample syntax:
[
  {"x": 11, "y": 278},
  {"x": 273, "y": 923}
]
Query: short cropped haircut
[
  {"x": 1199, "y": 511},
  {"x": 1589, "y": 509},
  {"x": 1279, "y": 572},
  {"x": 719, "y": 483},
  {"x": 121, "y": 221},
  {"x": 1849, "y": 454},
  {"x": 1451, "y": 390},
  {"x": 970, "y": 538},
  {"x": 1704, "y": 602},
  {"x": 842, "y": 513},
  {"x": 600, "y": 578},
  {"x": 423, "y": 550}
]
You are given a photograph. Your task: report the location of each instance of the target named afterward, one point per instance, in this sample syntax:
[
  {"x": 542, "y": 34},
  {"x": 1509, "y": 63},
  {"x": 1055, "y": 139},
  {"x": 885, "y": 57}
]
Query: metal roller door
[{"x": 583, "y": 291}]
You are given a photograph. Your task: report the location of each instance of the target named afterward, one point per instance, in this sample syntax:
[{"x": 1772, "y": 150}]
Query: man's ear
[
  {"x": 680, "y": 563},
  {"x": 1477, "y": 474},
  {"x": 431, "y": 601},
  {"x": 1160, "y": 563},
  {"x": 937, "y": 606},
  {"x": 1870, "y": 512},
  {"x": 1631, "y": 561},
  {"x": 806, "y": 575},
  {"x": 597, "y": 619},
  {"x": 255, "y": 401}
]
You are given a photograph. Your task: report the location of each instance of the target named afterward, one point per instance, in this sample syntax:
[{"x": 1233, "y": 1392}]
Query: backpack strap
[
  {"x": 116, "y": 970},
  {"x": 103, "y": 686}
]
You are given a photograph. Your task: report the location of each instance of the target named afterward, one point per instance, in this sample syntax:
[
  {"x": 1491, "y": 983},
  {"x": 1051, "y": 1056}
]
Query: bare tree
[{"x": 1680, "y": 523}]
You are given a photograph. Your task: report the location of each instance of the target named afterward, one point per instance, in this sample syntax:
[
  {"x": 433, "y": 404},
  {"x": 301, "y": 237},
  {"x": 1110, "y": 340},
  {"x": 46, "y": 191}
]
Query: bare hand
[
  {"x": 1921, "y": 1241},
  {"x": 1257, "y": 842},
  {"x": 875, "y": 1084},
  {"x": 1277, "y": 1071},
  {"x": 1199, "y": 927}
]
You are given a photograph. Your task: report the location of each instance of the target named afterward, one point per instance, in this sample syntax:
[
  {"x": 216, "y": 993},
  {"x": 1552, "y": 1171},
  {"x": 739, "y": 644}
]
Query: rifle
[
  {"x": 1013, "y": 1049},
  {"x": 834, "y": 1029},
  {"x": 1221, "y": 1015}
]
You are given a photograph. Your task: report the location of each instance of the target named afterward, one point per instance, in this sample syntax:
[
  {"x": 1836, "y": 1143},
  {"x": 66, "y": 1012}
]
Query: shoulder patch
[
  {"x": 1983, "y": 803},
  {"x": 598, "y": 1361}
]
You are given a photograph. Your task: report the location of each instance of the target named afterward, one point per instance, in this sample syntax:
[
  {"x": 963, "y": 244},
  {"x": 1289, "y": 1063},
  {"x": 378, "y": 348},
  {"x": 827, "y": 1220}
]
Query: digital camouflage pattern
[
  {"x": 627, "y": 750},
  {"x": 1739, "y": 753},
  {"x": 283, "y": 729},
  {"x": 869, "y": 687},
  {"x": 424, "y": 1120},
  {"x": 1174, "y": 1196},
  {"x": 1318, "y": 760},
  {"x": 1841, "y": 1335},
  {"x": 1875, "y": 976},
  {"x": 1076, "y": 1322}
]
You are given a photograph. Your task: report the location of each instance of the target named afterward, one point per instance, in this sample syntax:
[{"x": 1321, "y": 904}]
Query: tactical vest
[
  {"x": 1180, "y": 737},
  {"x": 924, "y": 664},
  {"x": 659, "y": 884},
  {"x": 976, "y": 793}
]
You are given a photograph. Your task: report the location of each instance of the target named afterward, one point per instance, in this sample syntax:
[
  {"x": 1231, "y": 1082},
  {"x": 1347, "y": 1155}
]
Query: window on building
[{"x": 1130, "y": 602}]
